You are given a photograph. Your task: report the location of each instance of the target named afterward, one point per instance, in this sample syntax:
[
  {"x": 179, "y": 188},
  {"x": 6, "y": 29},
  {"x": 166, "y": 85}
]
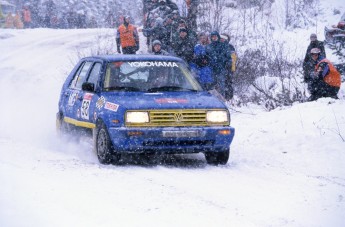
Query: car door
[
  {"x": 86, "y": 101},
  {"x": 74, "y": 91}
]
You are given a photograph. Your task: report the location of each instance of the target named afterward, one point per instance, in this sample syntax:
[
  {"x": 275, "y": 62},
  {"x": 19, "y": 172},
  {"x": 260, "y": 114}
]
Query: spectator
[
  {"x": 81, "y": 19},
  {"x": 169, "y": 32},
  {"x": 71, "y": 19},
  {"x": 127, "y": 37},
  {"x": 172, "y": 5},
  {"x": 184, "y": 46},
  {"x": 110, "y": 20},
  {"x": 157, "y": 48},
  {"x": 158, "y": 32},
  {"x": 162, "y": 10},
  {"x": 200, "y": 65},
  {"x": 93, "y": 22},
  {"x": 326, "y": 80},
  {"x": 27, "y": 17},
  {"x": 308, "y": 67},
  {"x": 9, "y": 22},
  {"x": 230, "y": 68},
  {"x": 220, "y": 56},
  {"x": 17, "y": 21},
  {"x": 191, "y": 34}
]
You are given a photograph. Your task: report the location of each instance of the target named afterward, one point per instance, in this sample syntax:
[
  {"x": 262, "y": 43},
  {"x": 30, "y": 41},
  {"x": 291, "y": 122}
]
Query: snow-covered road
[{"x": 286, "y": 166}]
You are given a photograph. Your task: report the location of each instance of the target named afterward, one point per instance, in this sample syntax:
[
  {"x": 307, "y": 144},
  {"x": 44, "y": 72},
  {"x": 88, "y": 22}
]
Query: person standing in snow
[
  {"x": 26, "y": 17},
  {"x": 220, "y": 56},
  {"x": 158, "y": 32},
  {"x": 127, "y": 37},
  {"x": 225, "y": 38},
  {"x": 184, "y": 46},
  {"x": 200, "y": 65},
  {"x": 308, "y": 62},
  {"x": 325, "y": 80},
  {"x": 157, "y": 48}
]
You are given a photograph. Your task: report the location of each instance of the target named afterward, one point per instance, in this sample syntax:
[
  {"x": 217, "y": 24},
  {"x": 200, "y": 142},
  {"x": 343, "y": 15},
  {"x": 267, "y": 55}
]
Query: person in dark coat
[
  {"x": 184, "y": 46},
  {"x": 162, "y": 9},
  {"x": 230, "y": 68},
  {"x": 158, "y": 32},
  {"x": 220, "y": 56},
  {"x": 325, "y": 80},
  {"x": 191, "y": 34},
  {"x": 308, "y": 64},
  {"x": 169, "y": 32}
]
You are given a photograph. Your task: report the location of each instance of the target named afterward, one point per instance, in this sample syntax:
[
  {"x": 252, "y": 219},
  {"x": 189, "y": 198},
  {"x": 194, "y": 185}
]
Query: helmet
[{"x": 315, "y": 51}]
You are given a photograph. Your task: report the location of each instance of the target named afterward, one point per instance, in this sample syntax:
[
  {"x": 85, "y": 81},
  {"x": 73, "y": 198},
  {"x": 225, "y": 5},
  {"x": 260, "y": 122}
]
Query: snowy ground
[{"x": 286, "y": 166}]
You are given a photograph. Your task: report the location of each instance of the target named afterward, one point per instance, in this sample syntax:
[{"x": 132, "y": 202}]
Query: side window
[
  {"x": 94, "y": 74},
  {"x": 80, "y": 76}
]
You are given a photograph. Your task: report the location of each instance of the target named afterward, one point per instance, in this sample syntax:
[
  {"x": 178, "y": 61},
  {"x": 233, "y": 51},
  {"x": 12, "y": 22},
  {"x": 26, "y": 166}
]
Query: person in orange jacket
[
  {"x": 9, "y": 21},
  {"x": 127, "y": 37},
  {"x": 27, "y": 17},
  {"x": 17, "y": 21},
  {"x": 326, "y": 79}
]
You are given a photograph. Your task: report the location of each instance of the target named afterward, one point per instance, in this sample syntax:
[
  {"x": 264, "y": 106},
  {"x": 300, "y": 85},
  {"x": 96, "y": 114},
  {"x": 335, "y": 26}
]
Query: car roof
[{"x": 135, "y": 57}]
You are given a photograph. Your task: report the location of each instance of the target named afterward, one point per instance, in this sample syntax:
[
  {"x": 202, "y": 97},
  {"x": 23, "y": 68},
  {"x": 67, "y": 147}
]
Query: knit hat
[
  {"x": 156, "y": 42},
  {"x": 313, "y": 37}
]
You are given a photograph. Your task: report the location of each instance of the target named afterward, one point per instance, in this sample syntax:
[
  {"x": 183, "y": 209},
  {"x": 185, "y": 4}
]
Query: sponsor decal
[
  {"x": 87, "y": 96},
  {"x": 100, "y": 102},
  {"x": 72, "y": 98},
  {"x": 171, "y": 100},
  {"x": 111, "y": 106},
  {"x": 152, "y": 63}
]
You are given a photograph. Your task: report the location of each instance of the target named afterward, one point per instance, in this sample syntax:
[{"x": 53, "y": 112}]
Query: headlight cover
[
  {"x": 217, "y": 116},
  {"x": 137, "y": 117}
]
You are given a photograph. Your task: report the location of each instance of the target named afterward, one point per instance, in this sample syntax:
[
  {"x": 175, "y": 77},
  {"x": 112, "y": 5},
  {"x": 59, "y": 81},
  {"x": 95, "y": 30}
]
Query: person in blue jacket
[{"x": 200, "y": 65}]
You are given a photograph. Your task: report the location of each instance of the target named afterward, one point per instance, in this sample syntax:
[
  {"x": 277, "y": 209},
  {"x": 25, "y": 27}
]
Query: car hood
[{"x": 164, "y": 100}]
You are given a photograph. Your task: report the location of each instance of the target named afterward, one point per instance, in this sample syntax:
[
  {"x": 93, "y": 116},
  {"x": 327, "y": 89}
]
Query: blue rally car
[{"x": 144, "y": 104}]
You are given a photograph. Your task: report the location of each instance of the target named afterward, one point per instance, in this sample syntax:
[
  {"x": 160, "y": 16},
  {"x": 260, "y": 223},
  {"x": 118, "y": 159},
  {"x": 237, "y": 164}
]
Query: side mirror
[{"x": 86, "y": 86}]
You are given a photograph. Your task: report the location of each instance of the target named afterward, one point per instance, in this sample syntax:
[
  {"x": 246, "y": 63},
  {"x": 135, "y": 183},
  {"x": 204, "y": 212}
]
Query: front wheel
[
  {"x": 217, "y": 157},
  {"x": 104, "y": 148}
]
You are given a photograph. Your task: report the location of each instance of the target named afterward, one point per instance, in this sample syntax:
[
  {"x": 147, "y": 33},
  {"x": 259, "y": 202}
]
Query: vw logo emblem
[{"x": 178, "y": 117}]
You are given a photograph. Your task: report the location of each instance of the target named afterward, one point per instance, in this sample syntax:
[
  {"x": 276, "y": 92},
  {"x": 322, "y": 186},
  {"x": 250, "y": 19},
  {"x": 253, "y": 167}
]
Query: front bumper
[{"x": 171, "y": 139}]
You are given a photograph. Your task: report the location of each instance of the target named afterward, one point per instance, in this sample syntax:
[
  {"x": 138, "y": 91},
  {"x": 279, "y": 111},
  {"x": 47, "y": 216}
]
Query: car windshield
[{"x": 149, "y": 76}]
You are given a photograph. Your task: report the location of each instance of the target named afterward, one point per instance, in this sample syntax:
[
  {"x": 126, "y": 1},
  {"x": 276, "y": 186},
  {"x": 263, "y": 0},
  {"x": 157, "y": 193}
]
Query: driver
[{"x": 161, "y": 77}]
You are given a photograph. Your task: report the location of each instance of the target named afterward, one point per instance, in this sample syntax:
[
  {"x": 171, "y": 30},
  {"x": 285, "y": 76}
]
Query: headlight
[
  {"x": 217, "y": 116},
  {"x": 137, "y": 117}
]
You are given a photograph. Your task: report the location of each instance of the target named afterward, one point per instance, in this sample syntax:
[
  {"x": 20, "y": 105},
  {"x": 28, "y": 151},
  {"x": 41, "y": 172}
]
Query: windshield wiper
[
  {"x": 121, "y": 88},
  {"x": 169, "y": 88}
]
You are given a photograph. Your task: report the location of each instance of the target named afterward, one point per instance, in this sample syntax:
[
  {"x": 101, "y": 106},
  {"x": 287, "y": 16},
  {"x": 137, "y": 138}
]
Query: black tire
[
  {"x": 61, "y": 126},
  {"x": 217, "y": 157},
  {"x": 103, "y": 146}
]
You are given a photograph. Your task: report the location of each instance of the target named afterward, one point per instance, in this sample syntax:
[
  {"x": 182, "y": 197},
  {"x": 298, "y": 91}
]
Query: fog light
[{"x": 224, "y": 132}]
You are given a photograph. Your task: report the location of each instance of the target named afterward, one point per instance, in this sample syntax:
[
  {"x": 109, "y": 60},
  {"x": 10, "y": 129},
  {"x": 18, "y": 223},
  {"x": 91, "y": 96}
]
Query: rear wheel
[
  {"x": 61, "y": 126},
  {"x": 217, "y": 157},
  {"x": 104, "y": 148}
]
